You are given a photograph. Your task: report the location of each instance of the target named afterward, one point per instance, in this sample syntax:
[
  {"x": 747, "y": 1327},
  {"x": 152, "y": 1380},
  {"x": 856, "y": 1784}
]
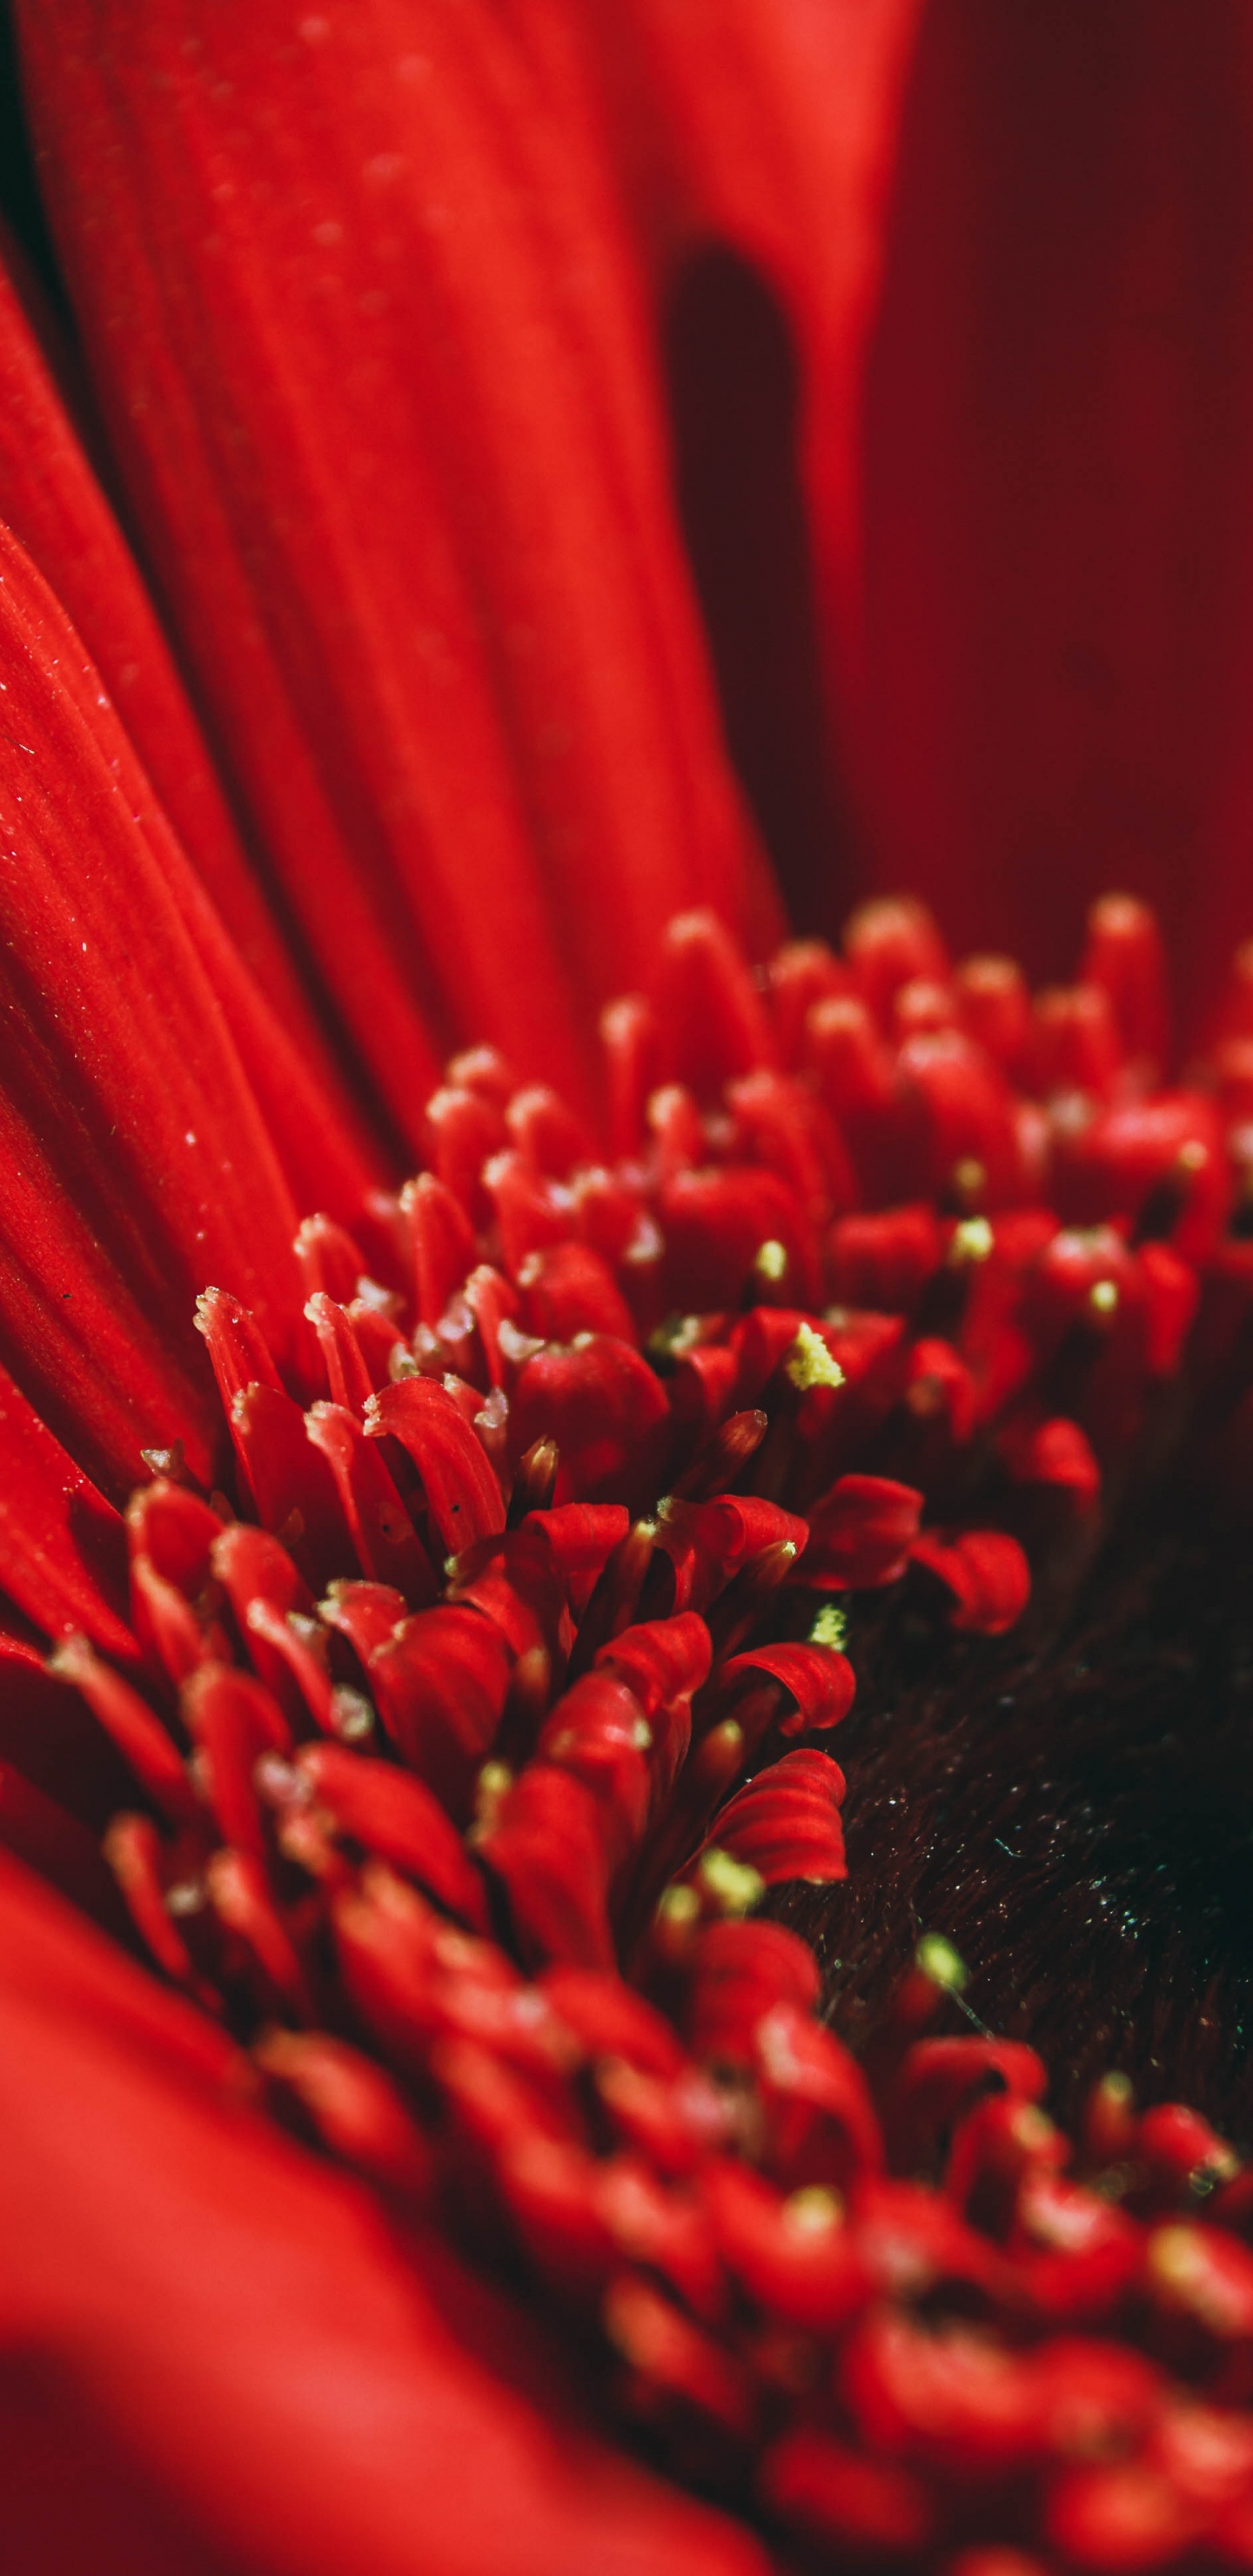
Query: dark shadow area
[
  {"x": 77, "y": 2497},
  {"x": 19, "y": 192},
  {"x": 734, "y": 395},
  {"x": 1077, "y": 1815}
]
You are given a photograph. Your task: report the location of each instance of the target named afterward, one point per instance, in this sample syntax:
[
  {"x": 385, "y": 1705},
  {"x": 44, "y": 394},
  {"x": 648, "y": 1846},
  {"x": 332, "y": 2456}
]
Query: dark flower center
[{"x": 1076, "y": 1811}]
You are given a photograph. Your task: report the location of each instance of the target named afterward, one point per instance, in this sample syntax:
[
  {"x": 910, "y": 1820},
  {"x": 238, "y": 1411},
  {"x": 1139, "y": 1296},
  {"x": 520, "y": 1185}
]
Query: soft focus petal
[
  {"x": 1058, "y": 540},
  {"x": 185, "y": 2289},
  {"x": 770, "y": 129},
  {"x": 365, "y": 324},
  {"x": 60, "y": 1542}
]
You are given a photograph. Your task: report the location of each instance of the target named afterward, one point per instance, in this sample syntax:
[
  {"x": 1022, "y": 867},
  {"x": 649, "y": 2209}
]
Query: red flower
[{"x": 447, "y": 1716}]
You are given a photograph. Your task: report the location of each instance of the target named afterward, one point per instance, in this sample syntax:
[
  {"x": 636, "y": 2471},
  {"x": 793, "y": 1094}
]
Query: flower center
[
  {"x": 1074, "y": 1808},
  {"x": 899, "y": 1346}
]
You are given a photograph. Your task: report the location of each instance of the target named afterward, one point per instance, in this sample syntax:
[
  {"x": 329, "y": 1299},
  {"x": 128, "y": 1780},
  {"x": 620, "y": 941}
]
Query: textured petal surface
[
  {"x": 235, "y": 2321},
  {"x": 367, "y": 329},
  {"x": 133, "y": 1157},
  {"x": 50, "y": 498}
]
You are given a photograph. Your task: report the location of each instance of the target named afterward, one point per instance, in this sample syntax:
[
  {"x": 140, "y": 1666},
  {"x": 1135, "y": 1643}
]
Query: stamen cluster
[{"x": 470, "y": 1751}]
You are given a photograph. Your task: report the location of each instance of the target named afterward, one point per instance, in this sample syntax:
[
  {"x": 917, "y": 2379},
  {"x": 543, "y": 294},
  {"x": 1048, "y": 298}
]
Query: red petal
[
  {"x": 662, "y": 1659},
  {"x": 670, "y": 2357},
  {"x": 239, "y": 1892},
  {"x": 461, "y": 1490},
  {"x": 368, "y": 1614},
  {"x": 884, "y": 1260},
  {"x": 950, "y": 2393},
  {"x": 821, "y": 1682},
  {"x": 772, "y": 127},
  {"x": 715, "y": 1223},
  {"x": 786, "y": 1823},
  {"x": 861, "y": 1532},
  {"x": 546, "y": 1131},
  {"x": 134, "y": 1161},
  {"x": 712, "y": 1542},
  {"x": 1055, "y": 1452},
  {"x": 811, "y": 2276},
  {"x": 62, "y": 1543},
  {"x": 711, "y": 1017},
  {"x": 939, "y": 2080},
  {"x": 395, "y": 1816},
  {"x": 295, "y": 1492},
  {"x": 136, "y": 1855},
  {"x": 605, "y": 1410},
  {"x": 821, "y": 2120},
  {"x": 386, "y": 464},
  {"x": 137, "y": 1733},
  {"x": 833, "y": 2495},
  {"x": 580, "y": 1536},
  {"x": 549, "y": 1849},
  {"x": 66, "y": 1853},
  {"x": 612, "y": 2020},
  {"x": 347, "y": 1375},
  {"x": 1119, "y": 2519},
  {"x": 387, "y": 1545},
  {"x": 1038, "y": 469},
  {"x": 358, "y": 2114},
  {"x": 440, "y": 1682},
  {"x": 889, "y": 944},
  {"x": 50, "y": 499},
  {"x": 984, "y": 1571},
  {"x": 1125, "y": 954},
  {"x": 597, "y": 1732},
  {"x": 443, "y": 1241},
  {"x": 210, "y": 2293},
  {"x": 568, "y": 1289},
  {"x": 740, "y": 1972},
  {"x": 234, "y": 1720}
]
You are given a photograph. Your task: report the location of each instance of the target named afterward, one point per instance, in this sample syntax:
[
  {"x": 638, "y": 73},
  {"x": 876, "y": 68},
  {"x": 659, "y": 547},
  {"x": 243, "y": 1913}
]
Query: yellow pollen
[
  {"x": 972, "y": 1240},
  {"x": 812, "y": 2210},
  {"x": 809, "y": 1362},
  {"x": 679, "y": 1907},
  {"x": 830, "y": 1628},
  {"x": 493, "y": 1784},
  {"x": 732, "y": 1885},
  {"x": 939, "y": 1961},
  {"x": 1103, "y": 1297},
  {"x": 1193, "y": 1156},
  {"x": 771, "y": 1261}
]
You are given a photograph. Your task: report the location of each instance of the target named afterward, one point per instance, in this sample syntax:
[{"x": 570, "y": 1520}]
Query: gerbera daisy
[{"x": 464, "y": 2105}]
